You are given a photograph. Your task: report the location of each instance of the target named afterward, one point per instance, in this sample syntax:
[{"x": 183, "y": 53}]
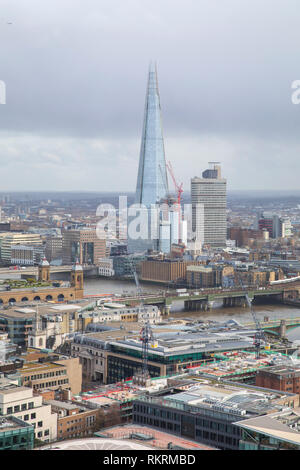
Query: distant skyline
[{"x": 76, "y": 76}]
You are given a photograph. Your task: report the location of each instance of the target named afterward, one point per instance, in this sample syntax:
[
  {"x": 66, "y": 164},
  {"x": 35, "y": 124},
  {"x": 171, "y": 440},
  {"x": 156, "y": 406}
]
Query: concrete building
[
  {"x": 53, "y": 248},
  {"x": 9, "y": 239},
  {"x": 209, "y": 208},
  {"x": 106, "y": 267},
  {"x": 65, "y": 374},
  {"x": 26, "y": 255},
  {"x": 22, "y": 404},
  {"x": 82, "y": 245}
]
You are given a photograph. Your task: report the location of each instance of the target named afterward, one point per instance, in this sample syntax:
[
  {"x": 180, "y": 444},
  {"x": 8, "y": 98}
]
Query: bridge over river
[{"x": 285, "y": 292}]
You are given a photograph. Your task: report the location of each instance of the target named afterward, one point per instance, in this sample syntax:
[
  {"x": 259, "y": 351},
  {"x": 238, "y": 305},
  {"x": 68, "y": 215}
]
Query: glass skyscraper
[{"x": 152, "y": 181}]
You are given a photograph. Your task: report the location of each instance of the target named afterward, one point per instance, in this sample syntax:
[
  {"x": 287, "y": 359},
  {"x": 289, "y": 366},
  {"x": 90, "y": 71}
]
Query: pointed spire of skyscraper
[{"x": 152, "y": 182}]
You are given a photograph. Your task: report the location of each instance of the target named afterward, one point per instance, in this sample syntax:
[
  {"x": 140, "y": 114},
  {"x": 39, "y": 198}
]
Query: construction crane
[
  {"x": 259, "y": 337},
  {"x": 178, "y": 188},
  {"x": 179, "y": 191},
  {"x": 146, "y": 335}
]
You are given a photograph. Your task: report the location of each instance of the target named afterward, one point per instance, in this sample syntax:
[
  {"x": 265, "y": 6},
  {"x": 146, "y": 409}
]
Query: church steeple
[
  {"x": 44, "y": 270},
  {"x": 77, "y": 276}
]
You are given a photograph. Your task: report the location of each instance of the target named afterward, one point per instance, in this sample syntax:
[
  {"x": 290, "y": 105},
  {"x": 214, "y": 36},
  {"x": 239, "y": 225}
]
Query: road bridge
[{"x": 33, "y": 270}]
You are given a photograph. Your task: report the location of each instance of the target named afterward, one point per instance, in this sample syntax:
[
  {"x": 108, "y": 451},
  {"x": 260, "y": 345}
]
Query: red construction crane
[
  {"x": 179, "y": 191},
  {"x": 178, "y": 187}
]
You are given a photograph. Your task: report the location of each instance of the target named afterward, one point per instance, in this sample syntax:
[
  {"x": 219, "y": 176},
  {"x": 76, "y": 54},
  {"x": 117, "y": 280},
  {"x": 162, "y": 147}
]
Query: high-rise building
[
  {"x": 83, "y": 245},
  {"x": 152, "y": 181},
  {"x": 209, "y": 207}
]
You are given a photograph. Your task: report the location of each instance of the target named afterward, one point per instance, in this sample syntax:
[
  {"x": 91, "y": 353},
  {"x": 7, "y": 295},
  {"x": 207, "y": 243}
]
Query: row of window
[
  {"x": 217, "y": 438},
  {"x": 44, "y": 376},
  {"x": 50, "y": 384},
  {"x": 17, "y": 408},
  {"x": 173, "y": 427}
]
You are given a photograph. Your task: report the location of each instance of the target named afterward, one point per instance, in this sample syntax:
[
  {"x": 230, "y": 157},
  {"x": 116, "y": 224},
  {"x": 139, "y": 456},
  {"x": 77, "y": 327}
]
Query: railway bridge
[{"x": 286, "y": 291}]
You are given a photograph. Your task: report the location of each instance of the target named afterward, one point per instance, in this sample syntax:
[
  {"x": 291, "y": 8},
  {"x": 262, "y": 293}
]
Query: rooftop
[{"x": 283, "y": 426}]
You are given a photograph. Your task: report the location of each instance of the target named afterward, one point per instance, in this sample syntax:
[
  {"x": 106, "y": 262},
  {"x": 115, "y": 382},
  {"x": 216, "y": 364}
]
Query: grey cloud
[{"x": 76, "y": 77}]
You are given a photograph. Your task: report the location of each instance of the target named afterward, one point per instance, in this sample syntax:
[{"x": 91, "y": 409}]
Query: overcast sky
[{"x": 76, "y": 74}]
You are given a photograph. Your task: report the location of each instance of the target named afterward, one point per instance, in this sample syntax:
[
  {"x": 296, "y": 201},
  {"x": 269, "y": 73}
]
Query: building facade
[
  {"x": 82, "y": 245},
  {"x": 209, "y": 208},
  {"x": 22, "y": 404}
]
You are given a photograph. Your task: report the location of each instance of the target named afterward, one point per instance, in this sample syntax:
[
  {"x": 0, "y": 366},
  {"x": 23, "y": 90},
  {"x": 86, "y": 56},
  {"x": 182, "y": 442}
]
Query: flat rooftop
[
  {"x": 239, "y": 400},
  {"x": 11, "y": 424},
  {"x": 283, "y": 370},
  {"x": 28, "y": 309}
]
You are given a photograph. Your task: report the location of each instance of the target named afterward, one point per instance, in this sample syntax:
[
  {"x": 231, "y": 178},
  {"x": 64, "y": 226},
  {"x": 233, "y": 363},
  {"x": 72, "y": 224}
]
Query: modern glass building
[
  {"x": 15, "y": 434},
  {"x": 152, "y": 181}
]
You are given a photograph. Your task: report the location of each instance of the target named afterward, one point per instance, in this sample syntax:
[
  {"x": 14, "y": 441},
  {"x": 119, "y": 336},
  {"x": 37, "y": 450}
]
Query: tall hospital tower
[
  {"x": 152, "y": 181},
  {"x": 209, "y": 207}
]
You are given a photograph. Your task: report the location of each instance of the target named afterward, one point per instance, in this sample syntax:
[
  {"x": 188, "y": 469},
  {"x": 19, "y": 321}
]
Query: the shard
[{"x": 152, "y": 182}]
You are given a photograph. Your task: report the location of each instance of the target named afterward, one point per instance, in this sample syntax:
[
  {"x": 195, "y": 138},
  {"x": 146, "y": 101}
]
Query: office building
[
  {"x": 209, "y": 208},
  {"x": 207, "y": 412},
  {"x": 53, "y": 248},
  {"x": 9, "y": 239},
  {"x": 84, "y": 246},
  {"x": 21, "y": 403}
]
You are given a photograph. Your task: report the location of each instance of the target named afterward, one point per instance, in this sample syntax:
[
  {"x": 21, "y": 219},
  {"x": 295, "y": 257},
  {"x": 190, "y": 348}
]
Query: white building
[
  {"x": 21, "y": 403},
  {"x": 209, "y": 207},
  {"x": 106, "y": 267}
]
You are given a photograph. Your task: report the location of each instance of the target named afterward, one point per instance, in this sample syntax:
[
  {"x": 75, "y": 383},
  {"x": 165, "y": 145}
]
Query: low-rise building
[
  {"x": 106, "y": 267},
  {"x": 207, "y": 412},
  {"x": 277, "y": 431},
  {"x": 21, "y": 403},
  {"x": 74, "y": 420},
  {"x": 53, "y": 374},
  {"x": 15, "y": 434},
  {"x": 280, "y": 377}
]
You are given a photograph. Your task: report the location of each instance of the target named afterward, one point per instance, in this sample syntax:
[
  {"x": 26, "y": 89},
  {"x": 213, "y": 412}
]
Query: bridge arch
[
  {"x": 24, "y": 299},
  {"x": 60, "y": 297},
  {"x": 49, "y": 297},
  {"x": 12, "y": 300},
  {"x": 37, "y": 298}
]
